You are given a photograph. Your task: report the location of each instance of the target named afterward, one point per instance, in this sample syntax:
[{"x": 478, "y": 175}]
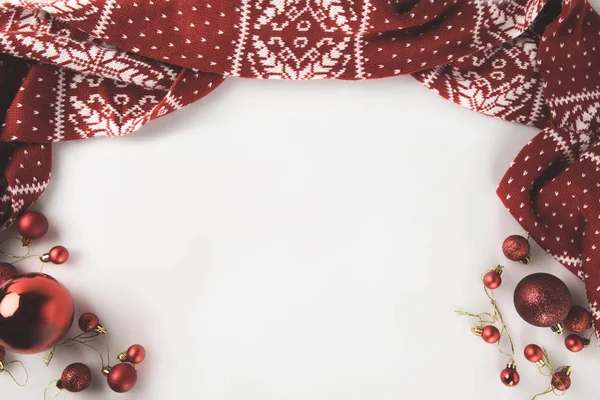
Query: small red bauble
[
  {"x": 542, "y": 300},
  {"x": 36, "y": 312},
  {"x": 492, "y": 280},
  {"x": 561, "y": 381},
  {"x": 88, "y": 322},
  {"x": 516, "y": 248},
  {"x": 32, "y": 225},
  {"x": 533, "y": 353},
  {"x": 7, "y": 272},
  {"x": 490, "y": 334},
  {"x": 136, "y": 354},
  {"x": 58, "y": 255},
  {"x": 575, "y": 343},
  {"x": 510, "y": 377},
  {"x": 122, "y": 377},
  {"x": 75, "y": 378},
  {"x": 578, "y": 320}
]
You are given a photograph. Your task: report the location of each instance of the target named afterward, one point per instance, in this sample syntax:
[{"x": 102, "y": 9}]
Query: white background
[{"x": 297, "y": 240}]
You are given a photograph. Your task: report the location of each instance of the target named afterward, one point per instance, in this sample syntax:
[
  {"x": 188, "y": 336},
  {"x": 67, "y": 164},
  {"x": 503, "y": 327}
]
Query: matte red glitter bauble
[
  {"x": 516, "y": 248},
  {"x": 88, "y": 322},
  {"x": 136, "y": 353},
  {"x": 492, "y": 280},
  {"x": 36, "y": 312},
  {"x": 542, "y": 299},
  {"x": 32, "y": 225},
  {"x": 533, "y": 353},
  {"x": 578, "y": 320},
  {"x": 7, "y": 271},
  {"x": 510, "y": 377},
  {"x": 122, "y": 377},
  {"x": 575, "y": 343},
  {"x": 561, "y": 381},
  {"x": 490, "y": 334},
  {"x": 75, "y": 378},
  {"x": 58, "y": 255}
]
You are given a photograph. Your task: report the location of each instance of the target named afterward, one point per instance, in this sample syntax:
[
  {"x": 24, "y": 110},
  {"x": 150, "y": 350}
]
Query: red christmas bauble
[
  {"x": 58, "y": 255},
  {"x": 490, "y": 334},
  {"x": 36, "y": 312},
  {"x": 7, "y": 272},
  {"x": 516, "y": 248},
  {"x": 492, "y": 280},
  {"x": 88, "y": 322},
  {"x": 32, "y": 225},
  {"x": 578, "y": 320},
  {"x": 510, "y": 377},
  {"x": 122, "y": 378},
  {"x": 533, "y": 353},
  {"x": 136, "y": 353},
  {"x": 575, "y": 343},
  {"x": 542, "y": 299},
  {"x": 561, "y": 381},
  {"x": 75, "y": 378}
]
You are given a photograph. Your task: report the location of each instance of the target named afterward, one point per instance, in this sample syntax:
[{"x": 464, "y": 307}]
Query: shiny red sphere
[
  {"x": 542, "y": 299},
  {"x": 510, "y": 377},
  {"x": 88, "y": 322},
  {"x": 578, "y": 320},
  {"x": 533, "y": 353},
  {"x": 122, "y": 378},
  {"x": 492, "y": 280},
  {"x": 32, "y": 225},
  {"x": 2, "y": 353},
  {"x": 490, "y": 334},
  {"x": 561, "y": 381},
  {"x": 136, "y": 354},
  {"x": 516, "y": 248},
  {"x": 75, "y": 378},
  {"x": 58, "y": 255},
  {"x": 36, "y": 312},
  {"x": 7, "y": 272},
  {"x": 574, "y": 343}
]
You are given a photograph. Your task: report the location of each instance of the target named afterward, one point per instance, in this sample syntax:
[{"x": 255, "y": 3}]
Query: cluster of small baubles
[{"x": 122, "y": 377}]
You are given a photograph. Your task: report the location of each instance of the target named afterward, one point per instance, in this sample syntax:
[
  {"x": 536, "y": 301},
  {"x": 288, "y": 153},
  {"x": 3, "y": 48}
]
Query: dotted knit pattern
[{"x": 77, "y": 69}]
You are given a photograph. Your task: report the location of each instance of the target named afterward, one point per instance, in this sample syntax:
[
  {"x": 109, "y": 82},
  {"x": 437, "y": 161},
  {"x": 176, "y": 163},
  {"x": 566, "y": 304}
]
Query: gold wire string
[
  {"x": 100, "y": 354},
  {"x": 82, "y": 338},
  {"x": 19, "y": 258},
  {"x": 5, "y": 369},
  {"x": 547, "y": 364},
  {"x": 25, "y": 257},
  {"x": 547, "y": 391},
  {"x": 48, "y": 387},
  {"x": 498, "y": 317}
]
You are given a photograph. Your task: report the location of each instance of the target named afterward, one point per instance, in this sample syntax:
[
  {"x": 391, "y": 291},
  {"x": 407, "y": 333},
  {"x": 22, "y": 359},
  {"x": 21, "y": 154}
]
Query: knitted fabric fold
[{"x": 80, "y": 69}]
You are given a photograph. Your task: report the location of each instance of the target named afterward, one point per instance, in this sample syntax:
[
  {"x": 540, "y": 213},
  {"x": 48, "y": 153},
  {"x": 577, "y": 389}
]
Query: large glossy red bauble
[
  {"x": 533, "y": 353},
  {"x": 58, "y": 255},
  {"x": 516, "y": 248},
  {"x": 75, "y": 377},
  {"x": 574, "y": 343},
  {"x": 32, "y": 225},
  {"x": 36, "y": 312},
  {"x": 136, "y": 353},
  {"x": 492, "y": 280},
  {"x": 7, "y": 271},
  {"x": 578, "y": 320},
  {"x": 542, "y": 299},
  {"x": 490, "y": 334},
  {"x": 510, "y": 377},
  {"x": 122, "y": 378},
  {"x": 561, "y": 381}
]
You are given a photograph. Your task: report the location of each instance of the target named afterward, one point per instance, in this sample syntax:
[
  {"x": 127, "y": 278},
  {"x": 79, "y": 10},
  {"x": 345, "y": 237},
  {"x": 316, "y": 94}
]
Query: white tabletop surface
[{"x": 297, "y": 240}]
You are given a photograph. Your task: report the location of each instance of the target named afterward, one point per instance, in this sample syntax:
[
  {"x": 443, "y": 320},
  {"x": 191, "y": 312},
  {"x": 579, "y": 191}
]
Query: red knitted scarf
[{"x": 80, "y": 69}]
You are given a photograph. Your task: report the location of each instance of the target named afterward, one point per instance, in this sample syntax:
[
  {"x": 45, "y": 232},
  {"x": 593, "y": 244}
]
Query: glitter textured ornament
[
  {"x": 36, "y": 312},
  {"x": 509, "y": 376},
  {"x": 121, "y": 378},
  {"x": 542, "y": 300},
  {"x": 561, "y": 380},
  {"x": 578, "y": 320},
  {"x": 517, "y": 248},
  {"x": 75, "y": 378},
  {"x": 7, "y": 272}
]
